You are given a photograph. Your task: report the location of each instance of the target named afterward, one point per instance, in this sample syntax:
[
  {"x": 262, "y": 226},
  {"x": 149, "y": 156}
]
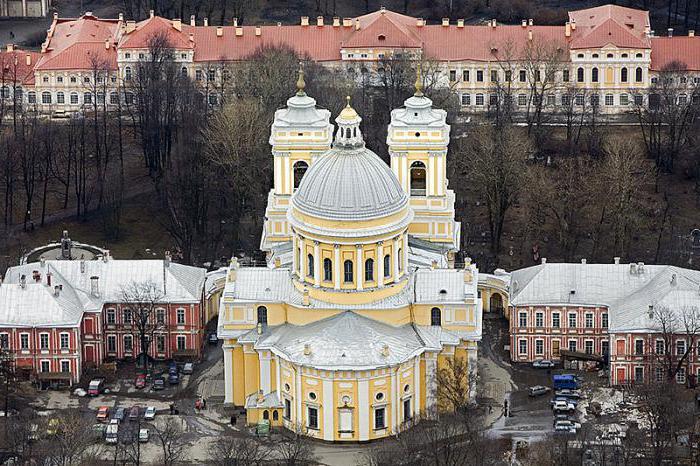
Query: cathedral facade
[{"x": 342, "y": 334}]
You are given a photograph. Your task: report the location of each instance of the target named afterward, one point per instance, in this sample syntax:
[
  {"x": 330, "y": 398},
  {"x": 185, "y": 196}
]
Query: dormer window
[{"x": 381, "y": 37}]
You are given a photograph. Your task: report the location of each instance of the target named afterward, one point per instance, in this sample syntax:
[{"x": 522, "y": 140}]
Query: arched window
[
  {"x": 31, "y": 97},
  {"x": 638, "y": 75},
  {"x": 327, "y": 270},
  {"x": 127, "y": 73},
  {"x": 623, "y": 75},
  {"x": 347, "y": 269},
  {"x": 400, "y": 260},
  {"x": 387, "y": 266},
  {"x": 579, "y": 75},
  {"x": 60, "y": 98},
  {"x": 5, "y": 92},
  {"x": 262, "y": 315},
  {"x": 87, "y": 98},
  {"x": 183, "y": 71},
  {"x": 46, "y": 97},
  {"x": 266, "y": 415},
  {"x": 435, "y": 317},
  {"x": 275, "y": 415},
  {"x": 594, "y": 75},
  {"x": 310, "y": 264},
  {"x": 74, "y": 98},
  {"x": 113, "y": 98},
  {"x": 369, "y": 270},
  {"x": 300, "y": 168},
  {"x": 418, "y": 185}
]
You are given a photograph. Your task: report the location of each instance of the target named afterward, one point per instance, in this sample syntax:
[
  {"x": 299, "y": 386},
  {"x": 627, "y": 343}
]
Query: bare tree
[
  {"x": 454, "y": 382},
  {"x": 675, "y": 325},
  {"x": 70, "y": 439},
  {"x": 169, "y": 436},
  {"x": 229, "y": 450},
  {"x": 295, "y": 449},
  {"x": 144, "y": 301}
]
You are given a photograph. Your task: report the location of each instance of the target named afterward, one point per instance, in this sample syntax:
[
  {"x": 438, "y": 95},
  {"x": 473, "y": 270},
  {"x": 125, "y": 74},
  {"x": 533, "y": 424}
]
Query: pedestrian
[
  {"x": 490, "y": 409},
  {"x": 204, "y": 403},
  {"x": 233, "y": 420}
]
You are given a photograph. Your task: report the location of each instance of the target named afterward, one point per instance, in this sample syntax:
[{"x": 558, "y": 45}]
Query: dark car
[
  {"x": 134, "y": 413},
  {"x": 172, "y": 368},
  {"x": 173, "y": 379},
  {"x": 140, "y": 381},
  {"x": 119, "y": 414},
  {"x": 159, "y": 383},
  {"x": 213, "y": 339}
]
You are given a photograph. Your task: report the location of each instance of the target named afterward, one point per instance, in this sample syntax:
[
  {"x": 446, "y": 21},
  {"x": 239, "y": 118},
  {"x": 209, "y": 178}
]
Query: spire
[
  {"x": 419, "y": 82},
  {"x": 301, "y": 84}
]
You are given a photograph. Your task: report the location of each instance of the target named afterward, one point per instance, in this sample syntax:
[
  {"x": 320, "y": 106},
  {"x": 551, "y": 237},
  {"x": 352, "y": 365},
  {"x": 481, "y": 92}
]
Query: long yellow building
[{"x": 343, "y": 332}]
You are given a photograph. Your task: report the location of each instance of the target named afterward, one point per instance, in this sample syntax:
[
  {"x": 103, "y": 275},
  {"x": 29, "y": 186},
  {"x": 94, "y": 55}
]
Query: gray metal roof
[
  {"x": 418, "y": 112},
  {"x": 346, "y": 341},
  {"x": 35, "y": 305},
  {"x": 349, "y": 184},
  {"x": 301, "y": 111}
]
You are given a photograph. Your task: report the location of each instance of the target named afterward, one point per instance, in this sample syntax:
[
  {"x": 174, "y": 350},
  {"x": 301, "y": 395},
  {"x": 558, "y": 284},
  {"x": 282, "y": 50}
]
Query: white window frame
[
  {"x": 41, "y": 342},
  {"x": 41, "y": 365},
  {"x": 28, "y": 341},
  {"x": 539, "y": 347},
  {"x": 114, "y": 339},
  {"x": 180, "y": 313},
  {"x": 181, "y": 338},
  {"x": 60, "y": 339},
  {"x": 522, "y": 346}
]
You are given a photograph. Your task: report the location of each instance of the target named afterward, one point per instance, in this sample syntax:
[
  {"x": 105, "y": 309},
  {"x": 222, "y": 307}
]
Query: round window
[
  {"x": 417, "y": 135},
  {"x": 312, "y": 396},
  {"x": 345, "y": 400},
  {"x": 379, "y": 396}
]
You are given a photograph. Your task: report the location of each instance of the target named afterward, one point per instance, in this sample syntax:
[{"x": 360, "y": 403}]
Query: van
[
  {"x": 565, "y": 381},
  {"x": 96, "y": 387}
]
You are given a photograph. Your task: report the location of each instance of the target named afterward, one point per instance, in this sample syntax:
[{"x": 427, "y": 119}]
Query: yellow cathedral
[{"x": 343, "y": 331}]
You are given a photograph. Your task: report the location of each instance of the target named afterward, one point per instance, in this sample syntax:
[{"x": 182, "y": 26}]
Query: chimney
[
  {"x": 23, "y": 281},
  {"x": 357, "y": 24},
  {"x": 48, "y": 279},
  {"x": 336, "y": 21},
  {"x": 670, "y": 32},
  {"x": 233, "y": 270},
  {"x": 278, "y": 262},
  {"x": 347, "y": 22},
  {"x": 10, "y": 47},
  {"x": 307, "y": 349},
  {"x": 82, "y": 265},
  {"x": 105, "y": 256},
  {"x": 191, "y": 36},
  {"x": 42, "y": 261},
  {"x": 573, "y": 25},
  {"x": 235, "y": 22},
  {"x": 651, "y": 311},
  {"x": 529, "y": 34},
  {"x": 523, "y": 23},
  {"x": 94, "y": 286},
  {"x": 530, "y": 22},
  {"x": 385, "y": 350},
  {"x": 28, "y": 60},
  {"x": 130, "y": 26},
  {"x": 445, "y": 22},
  {"x": 304, "y": 20},
  {"x": 239, "y": 31},
  {"x": 152, "y": 13},
  {"x": 56, "y": 291},
  {"x": 305, "y": 297},
  {"x": 583, "y": 261},
  {"x": 121, "y": 17},
  {"x": 55, "y": 15},
  {"x": 258, "y": 31},
  {"x": 691, "y": 32},
  {"x": 633, "y": 269},
  {"x": 434, "y": 264},
  {"x": 493, "y": 23},
  {"x": 168, "y": 259},
  {"x": 177, "y": 24},
  {"x": 460, "y": 23},
  {"x": 567, "y": 30},
  {"x": 640, "y": 267},
  {"x": 193, "y": 20},
  {"x": 319, "y": 21},
  {"x": 617, "y": 260},
  {"x": 206, "y": 21},
  {"x": 420, "y": 22},
  {"x": 219, "y": 31},
  {"x": 106, "y": 44},
  {"x": 674, "y": 281},
  {"x": 543, "y": 260}
]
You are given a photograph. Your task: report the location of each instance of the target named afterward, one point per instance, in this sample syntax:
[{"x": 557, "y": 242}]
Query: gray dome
[{"x": 349, "y": 184}]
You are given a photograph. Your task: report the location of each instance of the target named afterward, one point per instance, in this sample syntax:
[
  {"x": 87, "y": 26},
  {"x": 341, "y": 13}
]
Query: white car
[
  {"x": 561, "y": 406},
  {"x": 150, "y": 413},
  {"x": 567, "y": 423},
  {"x": 144, "y": 435}
]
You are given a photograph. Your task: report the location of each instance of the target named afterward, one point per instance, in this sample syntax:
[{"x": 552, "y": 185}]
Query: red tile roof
[
  {"x": 140, "y": 37},
  {"x": 73, "y": 43},
  {"x": 14, "y": 66},
  {"x": 610, "y": 24},
  {"x": 682, "y": 49},
  {"x": 385, "y": 29}
]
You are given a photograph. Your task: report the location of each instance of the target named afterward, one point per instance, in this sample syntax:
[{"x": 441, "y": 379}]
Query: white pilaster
[
  {"x": 298, "y": 417},
  {"x": 405, "y": 252},
  {"x": 416, "y": 384},
  {"x": 430, "y": 381},
  {"x": 278, "y": 175},
  {"x": 264, "y": 372},
  {"x": 380, "y": 264},
  {"x": 288, "y": 186},
  {"x": 228, "y": 377},
  {"x": 295, "y": 254},
  {"x": 363, "y": 415},
  {"x": 277, "y": 377},
  {"x": 337, "y": 266},
  {"x": 360, "y": 267},
  {"x": 395, "y": 397},
  {"x": 429, "y": 188},
  {"x": 317, "y": 264},
  {"x": 396, "y": 259},
  {"x": 328, "y": 410}
]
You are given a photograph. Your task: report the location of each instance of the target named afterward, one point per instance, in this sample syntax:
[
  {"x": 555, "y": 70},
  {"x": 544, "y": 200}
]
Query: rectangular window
[
  {"x": 74, "y": 99},
  {"x": 522, "y": 319},
  {"x": 24, "y": 341},
  {"x": 211, "y": 75},
  {"x": 64, "y": 341},
  {"x": 379, "y": 422},
  {"x": 595, "y": 100},
  {"x": 287, "y": 414},
  {"x": 605, "y": 347},
  {"x": 160, "y": 343},
  {"x": 539, "y": 319},
  {"x": 111, "y": 316},
  {"x": 551, "y": 100},
  {"x": 128, "y": 343},
  {"x": 660, "y": 347},
  {"x": 639, "y": 347},
  {"x": 522, "y": 100},
  {"x": 522, "y": 346},
  {"x": 198, "y": 75},
  {"x": 493, "y": 100},
  {"x": 480, "y": 76},
  {"x": 160, "y": 316},
  {"x": 466, "y": 99},
  {"x": 589, "y": 320},
  {"x": 87, "y": 98},
  {"x": 509, "y": 75},
  {"x": 555, "y": 320},
  {"x": 181, "y": 343},
  {"x": 609, "y": 99},
  {"x": 572, "y": 320},
  {"x": 639, "y": 374},
  {"x": 572, "y": 345},
  {"x": 579, "y": 100},
  {"x": 111, "y": 343},
  {"x": 453, "y": 75},
  {"x": 312, "y": 418},
  {"x": 539, "y": 347},
  {"x": 480, "y": 100},
  {"x": 465, "y": 75},
  {"x": 565, "y": 100},
  {"x": 494, "y": 76},
  {"x": 659, "y": 374},
  {"x": 180, "y": 317},
  {"x": 44, "y": 341},
  {"x": 4, "y": 341},
  {"x": 638, "y": 99},
  {"x": 565, "y": 76},
  {"x": 588, "y": 347},
  {"x": 407, "y": 415},
  {"x": 680, "y": 375},
  {"x": 680, "y": 347},
  {"x": 624, "y": 99},
  {"x": 522, "y": 76},
  {"x": 604, "y": 320},
  {"x": 65, "y": 366},
  {"x": 127, "y": 316},
  {"x": 45, "y": 366},
  {"x": 61, "y": 98},
  {"x": 345, "y": 420}
]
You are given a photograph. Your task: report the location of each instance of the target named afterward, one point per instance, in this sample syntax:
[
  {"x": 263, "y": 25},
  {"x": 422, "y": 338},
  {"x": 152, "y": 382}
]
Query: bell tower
[
  {"x": 300, "y": 133},
  {"x": 418, "y": 137}
]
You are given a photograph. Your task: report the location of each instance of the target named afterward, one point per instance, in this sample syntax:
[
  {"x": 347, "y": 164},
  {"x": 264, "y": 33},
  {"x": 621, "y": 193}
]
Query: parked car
[
  {"x": 103, "y": 413},
  {"x": 213, "y": 339},
  {"x": 561, "y": 406},
  {"x": 565, "y": 399},
  {"x": 543, "y": 364},
  {"x": 99, "y": 430},
  {"x": 140, "y": 381},
  {"x": 158, "y": 383},
  {"x": 172, "y": 368},
  {"x": 538, "y": 390},
  {"x": 188, "y": 368},
  {"x": 53, "y": 427},
  {"x": 173, "y": 379},
  {"x": 96, "y": 387},
  {"x": 562, "y": 381},
  {"x": 79, "y": 392},
  {"x": 564, "y": 430},
  {"x": 567, "y": 422},
  {"x": 150, "y": 413},
  {"x": 568, "y": 393},
  {"x": 134, "y": 413},
  {"x": 144, "y": 435},
  {"x": 119, "y": 414}
]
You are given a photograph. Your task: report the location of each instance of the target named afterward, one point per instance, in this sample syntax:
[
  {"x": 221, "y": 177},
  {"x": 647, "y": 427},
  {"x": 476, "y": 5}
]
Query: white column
[
  {"x": 264, "y": 372},
  {"x": 328, "y": 410},
  {"x": 429, "y": 172},
  {"x": 404, "y": 173},
  {"x": 277, "y": 377},
  {"x": 360, "y": 267},
  {"x": 288, "y": 182},
  {"x": 416, "y": 383},
  {"x": 317, "y": 264},
  {"x": 228, "y": 375},
  {"x": 396, "y": 259},
  {"x": 295, "y": 254},
  {"x": 24, "y": 7},
  {"x": 278, "y": 174},
  {"x": 405, "y": 252},
  {"x": 337, "y": 266},
  {"x": 395, "y": 397},
  {"x": 380, "y": 264},
  {"x": 44, "y": 7},
  {"x": 297, "y": 393},
  {"x": 363, "y": 414}
]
